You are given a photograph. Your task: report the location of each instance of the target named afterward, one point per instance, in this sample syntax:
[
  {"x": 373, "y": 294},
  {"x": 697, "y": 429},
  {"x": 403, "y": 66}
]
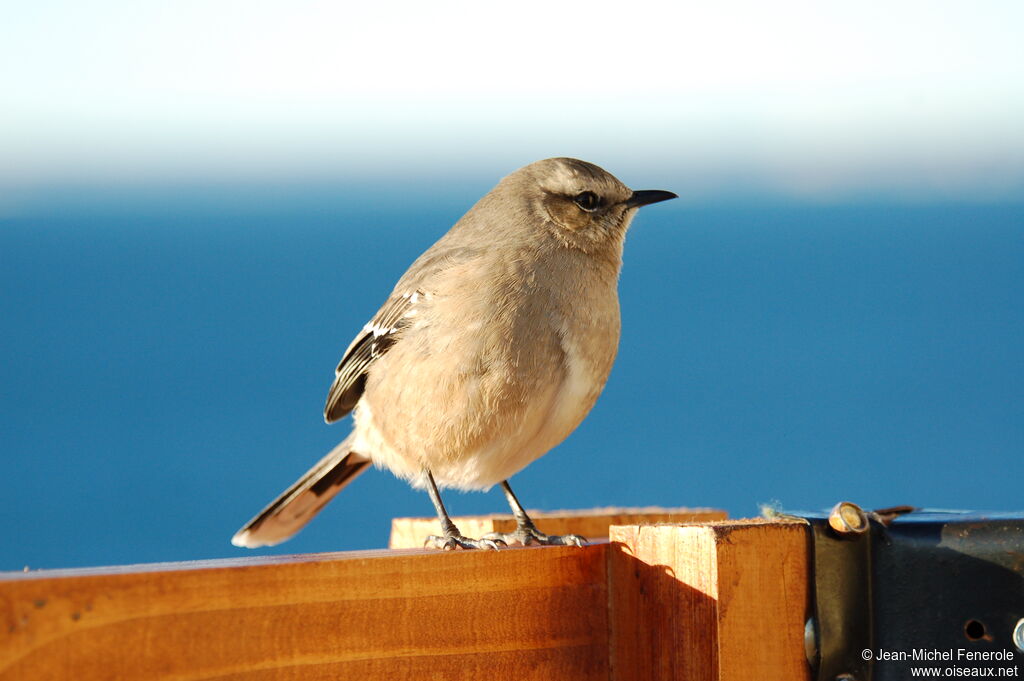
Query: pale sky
[{"x": 802, "y": 97}]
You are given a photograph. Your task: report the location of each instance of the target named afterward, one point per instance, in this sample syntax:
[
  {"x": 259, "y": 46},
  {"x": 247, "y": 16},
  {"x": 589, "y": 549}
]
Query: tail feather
[{"x": 297, "y": 505}]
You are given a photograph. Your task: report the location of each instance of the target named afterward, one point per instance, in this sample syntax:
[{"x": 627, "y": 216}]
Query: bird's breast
[{"x": 589, "y": 342}]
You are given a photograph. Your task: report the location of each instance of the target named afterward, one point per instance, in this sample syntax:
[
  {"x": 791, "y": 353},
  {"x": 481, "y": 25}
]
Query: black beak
[{"x": 646, "y": 197}]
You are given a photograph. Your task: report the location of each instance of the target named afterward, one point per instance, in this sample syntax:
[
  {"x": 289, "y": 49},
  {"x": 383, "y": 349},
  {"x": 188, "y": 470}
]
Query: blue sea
[{"x": 166, "y": 354}]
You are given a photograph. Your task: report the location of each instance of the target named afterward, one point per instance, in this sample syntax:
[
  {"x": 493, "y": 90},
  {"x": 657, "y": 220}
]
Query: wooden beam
[
  {"x": 702, "y": 602},
  {"x": 720, "y": 601},
  {"x": 533, "y": 613},
  {"x": 590, "y": 523}
]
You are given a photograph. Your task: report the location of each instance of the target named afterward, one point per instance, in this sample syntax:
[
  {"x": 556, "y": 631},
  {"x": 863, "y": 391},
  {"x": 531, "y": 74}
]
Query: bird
[{"x": 490, "y": 350}]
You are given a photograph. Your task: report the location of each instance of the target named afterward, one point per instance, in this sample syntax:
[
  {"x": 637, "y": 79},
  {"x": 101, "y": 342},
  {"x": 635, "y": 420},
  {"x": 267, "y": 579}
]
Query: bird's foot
[
  {"x": 528, "y": 534},
  {"x": 450, "y": 542}
]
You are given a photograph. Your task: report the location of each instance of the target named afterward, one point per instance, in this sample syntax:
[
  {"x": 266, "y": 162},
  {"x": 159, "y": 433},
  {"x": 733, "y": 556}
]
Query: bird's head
[{"x": 586, "y": 206}]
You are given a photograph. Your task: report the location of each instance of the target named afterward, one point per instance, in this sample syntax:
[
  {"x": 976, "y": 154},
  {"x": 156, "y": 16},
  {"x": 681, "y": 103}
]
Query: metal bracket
[{"x": 893, "y": 590}]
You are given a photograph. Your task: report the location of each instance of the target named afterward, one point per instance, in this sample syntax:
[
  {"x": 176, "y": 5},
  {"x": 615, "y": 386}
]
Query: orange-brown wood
[
  {"x": 720, "y": 601},
  {"x": 710, "y": 601},
  {"x": 591, "y": 523},
  {"x": 533, "y": 613}
]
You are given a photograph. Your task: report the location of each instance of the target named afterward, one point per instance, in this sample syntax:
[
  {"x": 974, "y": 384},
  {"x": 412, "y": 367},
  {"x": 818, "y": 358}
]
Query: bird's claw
[
  {"x": 457, "y": 541},
  {"x": 531, "y": 535}
]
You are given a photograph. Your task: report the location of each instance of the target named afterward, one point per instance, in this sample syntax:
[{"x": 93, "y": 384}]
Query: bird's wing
[{"x": 379, "y": 334}]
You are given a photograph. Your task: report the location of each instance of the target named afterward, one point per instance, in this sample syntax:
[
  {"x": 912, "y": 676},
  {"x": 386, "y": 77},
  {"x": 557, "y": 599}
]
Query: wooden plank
[
  {"x": 721, "y": 601},
  {"x": 532, "y": 613},
  {"x": 590, "y": 523}
]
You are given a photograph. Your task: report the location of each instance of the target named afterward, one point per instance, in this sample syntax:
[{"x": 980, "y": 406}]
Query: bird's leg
[
  {"x": 526, "y": 532},
  {"x": 451, "y": 538}
]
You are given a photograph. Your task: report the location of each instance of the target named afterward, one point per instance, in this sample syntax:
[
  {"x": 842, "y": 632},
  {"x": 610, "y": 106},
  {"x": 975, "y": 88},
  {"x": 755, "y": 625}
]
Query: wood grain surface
[
  {"x": 534, "y": 613},
  {"x": 720, "y": 601}
]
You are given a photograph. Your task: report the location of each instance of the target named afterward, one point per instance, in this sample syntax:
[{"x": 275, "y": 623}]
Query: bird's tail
[{"x": 297, "y": 505}]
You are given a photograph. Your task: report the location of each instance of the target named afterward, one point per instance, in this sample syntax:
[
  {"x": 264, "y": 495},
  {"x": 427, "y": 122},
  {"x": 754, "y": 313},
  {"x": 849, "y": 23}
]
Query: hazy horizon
[{"x": 809, "y": 101}]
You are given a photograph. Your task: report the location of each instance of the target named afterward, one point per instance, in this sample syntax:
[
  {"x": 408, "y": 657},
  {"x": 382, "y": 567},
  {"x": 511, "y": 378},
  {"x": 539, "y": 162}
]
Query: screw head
[
  {"x": 847, "y": 519},
  {"x": 1018, "y": 635},
  {"x": 811, "y": 641}
]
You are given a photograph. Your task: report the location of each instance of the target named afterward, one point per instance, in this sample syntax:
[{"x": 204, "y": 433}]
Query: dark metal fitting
[{"x": 887, "y": 583}]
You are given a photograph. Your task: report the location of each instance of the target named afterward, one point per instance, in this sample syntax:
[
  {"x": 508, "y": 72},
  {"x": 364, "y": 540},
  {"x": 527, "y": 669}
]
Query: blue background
[
  {"x": 166, "y": 354},
  {"x": 202, "y": 202}
]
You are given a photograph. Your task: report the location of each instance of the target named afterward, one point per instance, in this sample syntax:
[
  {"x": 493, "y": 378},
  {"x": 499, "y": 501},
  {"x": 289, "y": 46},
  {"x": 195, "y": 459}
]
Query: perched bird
[{"x": 490, "y": 350}]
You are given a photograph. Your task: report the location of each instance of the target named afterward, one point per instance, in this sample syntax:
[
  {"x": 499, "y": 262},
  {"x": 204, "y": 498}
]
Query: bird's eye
[{"x": 588, "y": 201}]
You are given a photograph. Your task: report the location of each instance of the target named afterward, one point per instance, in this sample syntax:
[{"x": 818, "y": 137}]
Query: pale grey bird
[{"x": 490, "y": 350}]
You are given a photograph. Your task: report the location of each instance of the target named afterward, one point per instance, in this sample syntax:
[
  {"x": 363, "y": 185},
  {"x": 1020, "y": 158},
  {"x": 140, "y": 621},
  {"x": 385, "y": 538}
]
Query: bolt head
[
  {"x": 847, "y": 519},
  {"x": 811, "y": 641}
]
